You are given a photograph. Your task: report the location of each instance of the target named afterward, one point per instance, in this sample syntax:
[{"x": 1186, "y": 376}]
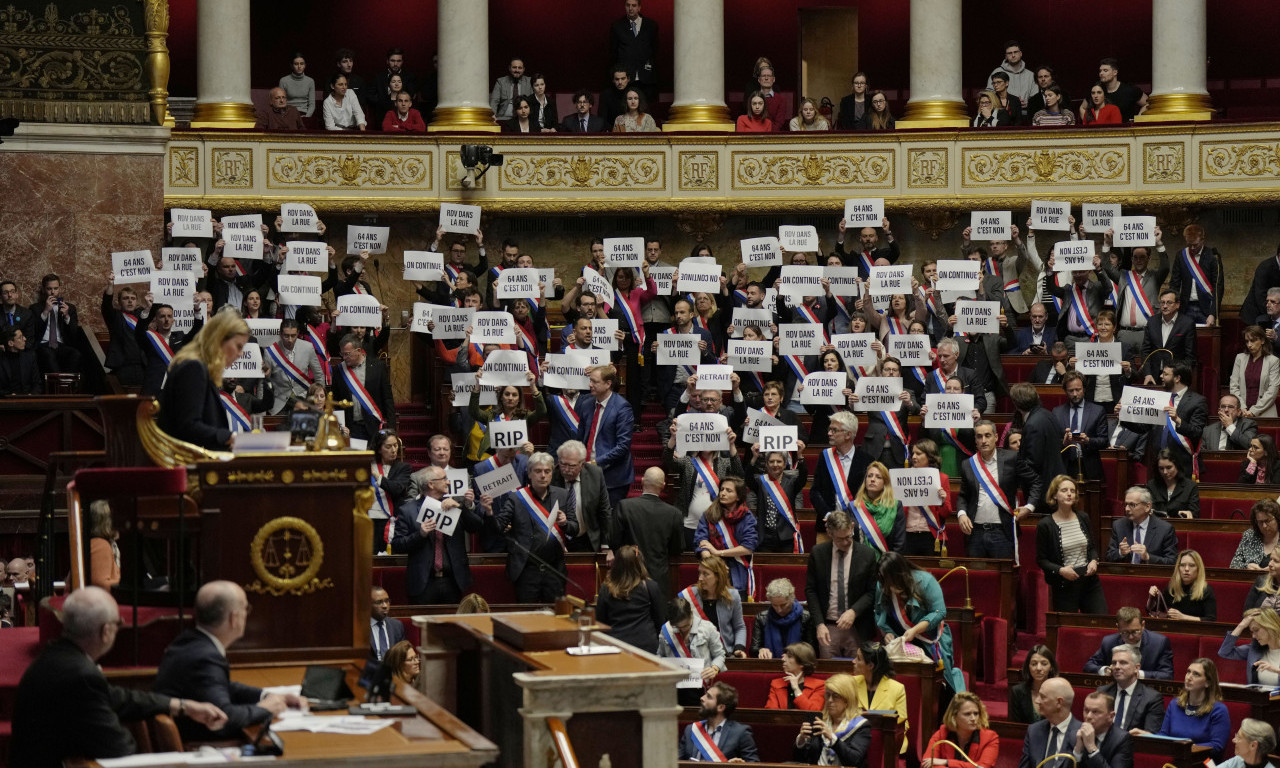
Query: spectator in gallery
[
  {"x": 345, "y": 63},
  {"x": 393, "y": 80},
  {"x": 635, "y": 119},
  {"x": 507, "y": 88},
  {"x": 765, "y": 79},
  {"x": 756, "y": 120},
  {"x": 613, "y": 100},
  {"x": 990, "y": 116},
  {"x": 342, "y": 110},
  {"x": 1004, "y": 98},
  {"x": 1054, "y": 112},
  {"x": 582, "y": 121},
  {"x": 19, "y": 374},
  {"x": 880, "y": 118},
  {"x": 404, "y": 118},
  {"x": 387, "y": 97},
  {"x": 633, "y": 44},
  {"x": 544, "y": 107},
  {"x": 299, "y": 87},
  {"x": 1127, "y": 97},
  {"x": 520, "y": 121},
  {"x": 1021, "y": 80},
  {"x": 1097, "y": 111},
  {"x": 854, "y": 107},
  {"x": 280, "y": 115},
  {"x": 807, "y": 118},
  {"x": 1044, "y": 76}
]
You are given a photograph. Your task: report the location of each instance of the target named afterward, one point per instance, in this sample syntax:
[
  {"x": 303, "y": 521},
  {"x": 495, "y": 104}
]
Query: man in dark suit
[
  {"x": 376, "y": 382},
  {"x": 1039, "y": 336},
  {"x": 19, "y": 374},
  {"x": 159, "y": 343},
  {"x": 1099, "y": 742},
  {"x": 120, "y": 313},
  {"x": 64, "y": 706},
  {"x": 1197, "y": 270},
  {"x": 585, "y": 483},
  {"x": 437, "y": 571},
  {"x": 844, "y": 620},
  {"x": 1231, "y": 431},
  {"x": 878, "y": 440},
  {"x": 384, "y": 631},
  {"x": 13, "y": 314},
  {"x": 654, "y": 526},
  {"x": 1056, "y": 733},
  {"x": 1172, "y": 331},
  {"x": 225, "y": 285},
  {"x": 541, "y": 518},
  {"x": 1136, "y": 705},
  {"x": 980, "y": 352},
  {"x": 1039, "y": 456},
  {"x": 733, "y": 740},
  {"x": 1141, "y": 537},
  {"x": 1189, "y": 412},
  {"x": 1083, "y": 424},
  {"x": 949, "y": 367},
  {"x": 605, "y": 425},
  {"x": 822, "y": 491},
  {"x": 1265, "y": 277},
  {"x": 633, "y": 47},
  {"x": 195, "y": 666},
  {"x": 988, "y": 522},
  {"x": 868, "y": 254},
  {"x": 1156, "y": 651},
  {"x": 1052, "y": 371},
  {"x": 56, "y": 329},
  {"x": 582, "y": 121}
]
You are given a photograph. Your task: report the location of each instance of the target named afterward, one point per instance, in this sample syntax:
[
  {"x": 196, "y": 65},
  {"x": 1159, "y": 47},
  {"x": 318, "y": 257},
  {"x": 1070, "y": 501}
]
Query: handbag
[
  {"x": 1157, "y": 608},
  {"x": 900, "y": 651}
]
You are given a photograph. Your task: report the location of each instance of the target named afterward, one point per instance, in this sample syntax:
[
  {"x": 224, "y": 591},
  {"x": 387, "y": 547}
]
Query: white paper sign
[
  {"x": 371, "y": 239},
  {"x": 799, "y": 281},
  {"x": 1073, "y": 255},
  {"x": 173, "y": 288},
  {"x": 243, "y": 236},
  {"x": 978, "y": 316},
  {"x": 855, "y": 349},
  {"x": 493, "y": 328},
  {"x": 698, "y": 277},
  {"x": 508, "y": 434},
  {"x": 497, "y": 482},
  {"x": 298, "y": 217},
  {"x": 184, "y": 316},
  {"x": 697, "y": 432},
  {"x": 662, "y": 278},
  {"x": 248, "y": 366},
  {"x": 750, "y": 355},
  {"x": 782, "y": 437},
  {"x": 564, "y": 372},
  {"x": 265, "y": 329},
  {"x": 694, "y": 667},
  {"x": 455, "y": 217},
  {"x": 1098, "y": 217},
  {"x": 959, "y": 275},
  {"x": 463, "y": 384},
  {"x": 800, "y": 338},
  {"x": 991, "y": 225},
  {"x": 425, "y": 266},
  {"x": 548, "y": 279},
  {"x": 714, "y": 378},
  {"x": 1134, "y": 231},
  {"x": 189, "y": 223},
  {"x": 131, "y": 266},
  {"x": 917, "y": 487},
  {"x": 459, "y": 479},
  {"x": 432, "y": 510},
  {"x": 505, "y": 368},
  {"x": 801, "y": 239},
  {"x": 864, "y": 212},
  {"x": 887, "y": 281},
  {"x": 602, "y": 333},
  {"x": 358, "y": 309},
  {"x": 588, "y": 358},
  {"x": 422, "y": 317},
  {"x": 948, "y": 411},
  {"x": 678, "y": 349},
  {"x": 1143, "y": 406},
  {"x": 843, "y": 281},
  {"x": 299, "y": 290},
  {"x": 878, "y": 393},
  {"x": 761, "y": 252},
  {"x": 911, "y": 349},
  {"x": 599, "y": 286},
  {"x": 623, "y": 251},
  {"x": 823, "y": 388},
  {"x": 761, "y": 318},
  {"x": 755, "y": 421},
  {"x": 305, "y": 256},
  {"x": 1098, "y": 358},
  {"x": 452, "y": 323},
  {"x": 517, "y": 283},
  {"x": 1051, "y": 215},
  {"x": 181, "y": 259}
]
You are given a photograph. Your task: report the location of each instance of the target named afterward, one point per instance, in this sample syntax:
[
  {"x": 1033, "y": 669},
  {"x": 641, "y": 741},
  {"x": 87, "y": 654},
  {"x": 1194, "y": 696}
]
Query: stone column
[
  {"x": 1178, "y": 62},
  {"x": 222, "y": 65},
  {"x": 937, "y": 100},
  {"x": 699, "y": 68},
  {"x": 464, "y": 67}
]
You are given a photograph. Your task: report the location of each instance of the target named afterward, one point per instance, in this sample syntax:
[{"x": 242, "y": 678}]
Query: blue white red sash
[
  {"x": 917, "y": 372},
  {"x": 130, "y": 320},
  {"x": 488, "y": 465},
  {"x": 694, "y": 599},
  {"x": 699, "y": 321},
  {"x": 361, "y": 395},
  {"x": 866, "y": 262},
  {"x": 774, "y": 492},
  {"x": 1133, "y": 287},
  {"x": 1113, "y": 297},
  {"x": 894, "y": 424},
  {"x": 525, "y": 341},
  {"x": 939, "y": 379},
  {"x": 281, "y": 361},
  {"x": 841, "y": 307},
  {"x": 1171, "y": 434},
  {"x": 857, "y": 722},
  {"x": 239, "y": 268},
  {"x": 707, "y": 749},
  {"x": 987, "y": 482},
  {"x": 811, "y": 316},
  {"x": 929, "y": 302},
  {"x": 675, "y": 642},
  {"x": 839, "y": 480},
  {"x": 900, "y": 616},
  {"x": 629, "y": 316},
  {"x": 707, "y": 474},
  {"x": 953, "y": 437},
  {"x": 933, "y": 520},
  {"x": 161, "y": 347},
  {"x": 758, "y": 379},
  {"x": 726, "y": 536},
  {"x": 540, "y": 515},
  {"x": 896, "y": 325},
  {"x": 1197, "y": 273},
  {"x": 494, "y": 271},
  {"x": 236, "y": 416},
  {"x": 1012, "y": 286},
  {"x": 739, "y": 297},
  {"x": 452, "y": 272},
  {"x": 358, "y": 288},
  {"x": 993, "y": 267},
  {"x": 796, "y": 365},
  {"x": 379, "y": 495},
  {"x": 867, "y": 522},
  {"x": 322, "y": 354},
  {"x": 560, "y": 405},
  {"x": 1081, "y": 310}
]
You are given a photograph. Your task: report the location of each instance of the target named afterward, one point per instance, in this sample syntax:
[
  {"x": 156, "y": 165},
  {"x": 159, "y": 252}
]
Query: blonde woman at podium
[{"x": 191, "y": 408}]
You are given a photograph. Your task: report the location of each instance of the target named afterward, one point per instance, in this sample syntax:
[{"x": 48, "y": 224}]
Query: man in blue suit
[
  {"x": 1084, "y": 424},
  {"x": 385, "y": 631},
  {"x": 605, "y": 425},
  {"x": 1157, "y": 653},
  {"x": 731, "y": 738},
  {"x": 1056, "y": 733},
  {"x": 1139, "y": 536}
]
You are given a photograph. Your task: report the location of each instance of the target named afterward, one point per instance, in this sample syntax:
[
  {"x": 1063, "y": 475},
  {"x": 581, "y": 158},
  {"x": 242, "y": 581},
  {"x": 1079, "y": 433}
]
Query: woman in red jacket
[
  {"x": 964, "y": 724},
  {"x": 797, "y": 689},
  {"x": 757, "y": 118},
  {"x": 1098, "y": 111},
  {"x": 404, "y": 118}
]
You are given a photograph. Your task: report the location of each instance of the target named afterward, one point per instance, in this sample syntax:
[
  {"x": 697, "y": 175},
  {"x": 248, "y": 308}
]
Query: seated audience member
[
  {"x": 1157, "y": 653},
  {"x": 1067, "y": 553},
  {"x": 404, "y": 664},
  {"x": 299, "y": 88},
  {"x": 764, "y": 85},
  {"x": 342, "y": 110},
  {"x": 1096, "y": 110},
  {"x": 1232, "y": 430},
  {"x": 438, "y": 570},
  {"x": 785, "y": 623},
  {"x": 1038, "y": 336},
  {"x": 1197, "y": 713},
  {"x": 907, "y": 594},
  {"x": 1034, "y": 101},
  {"x": 194, "y": 666},
  {"x": 797, "y": 688},
  {"x": 1141, "y": 537},
  {"x": 506, "y": 88},
  {"x": 966, "y": 724},
  {"x": 543, "y": 106},
  {"x": 634, "y": 119},
  {"x": 847, "y": 616},
  {"x": 1039, "y": 665},
  {"x": 582, "y": 121},
  {"x": 344, "y": 60},
  {"x": 988, "y": 115},
  {"x": 280, "y": 115},
  {"x": 1261, "y": 465},
  {"x": 807, "y": 118},
  {"x": 854, "y": 106},
  {"x": 714, "y": 737},
  {"x": 1265, "y": 592},
  {"x": 841, "y": 736},
  {"x": 1255, "y": 375},
  {"x": 1005, "y": 101},
  {"x": 629, "y": 601},
  {"x": 385, "y": 632},
  {"x": 1099, "y": 743},
  {"x": 877, "y": 689},
  {"x": 1253, "y": 742},
  {"x": 1056, "y": 733},
  {"x": 756, "y": 120},
  {"x": 403, "y": 118},
  {"x": 1053, "y": 370},
  {"x": 1136, "y": 704},
  {"x": 880, "y": 118},
  {"x": 1172, "y": 493},
  {"x": 1189, "y": 596},
  {"x": 716, "y": 601},
  {"x": 521, "y": 117},
  {"x": 104, "y": 552},
  {"x": 1261, "y": 654},
  {"x": 472, "y": 603},
  {"x": 1259, "y": 544},
  {"x": 687, "y": 635},
  {"x": 16, "y": 572},
  {"x": 19, "y": 374},
  {"x": 1127, "y": 97}
]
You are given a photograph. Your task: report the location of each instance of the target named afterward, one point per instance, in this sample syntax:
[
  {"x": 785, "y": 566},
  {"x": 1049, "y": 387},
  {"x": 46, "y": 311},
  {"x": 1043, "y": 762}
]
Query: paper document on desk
[
  {"x": 349, "y": 724},
  {"x": 165, "y": 758},
  {"x": 284, "y": 690}
]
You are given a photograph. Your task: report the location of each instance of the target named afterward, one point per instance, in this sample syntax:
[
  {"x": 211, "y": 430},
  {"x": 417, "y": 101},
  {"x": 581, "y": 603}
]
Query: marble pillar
[
  {"x": 222, "y": 65},
  {"x": 699, "y": 68},
  {"x": 937, "y": 100},
  {"x": 1179, "y": 59},
  {"x": 464, "y": 67}
]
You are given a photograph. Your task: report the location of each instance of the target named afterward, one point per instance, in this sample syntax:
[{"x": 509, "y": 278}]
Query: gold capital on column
[
  {"x": 475, "y": 119},
  {"x": 227, "y": 114},
  {"x": 935, "y": 113},
  {"x": 1166, "y": 107},
  {"x": 699, "y": 117}
]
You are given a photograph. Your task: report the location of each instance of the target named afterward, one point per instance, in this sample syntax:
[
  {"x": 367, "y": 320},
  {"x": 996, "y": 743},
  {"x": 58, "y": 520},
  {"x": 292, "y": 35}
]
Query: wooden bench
[{"x": 775, "y": 733}]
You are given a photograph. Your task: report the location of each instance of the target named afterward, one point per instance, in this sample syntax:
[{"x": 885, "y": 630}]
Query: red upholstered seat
[
  {"x": 1229, "y": 670},
  {"x": 1076, "y": 645},
  {"x": 753, "y": 687}
]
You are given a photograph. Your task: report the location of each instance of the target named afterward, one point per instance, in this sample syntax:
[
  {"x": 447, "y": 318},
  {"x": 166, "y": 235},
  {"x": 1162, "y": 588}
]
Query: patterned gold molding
[
  {"x": 699, "y": 171},
  {"x": 1107, "y": 164},
  {"x": 1227, "y": 160},
  {"x": 410, "y": 171},
  {"x": 864, "y": 169},
  {"x": 453, "y": 171},
  {"x": 927, "y": 167},
  {"x": 1162, "y": 163},
  {"x": 184, "y": 167},
  {"x": 624, "y": 171},
  {"x": 233, "y": 168}
]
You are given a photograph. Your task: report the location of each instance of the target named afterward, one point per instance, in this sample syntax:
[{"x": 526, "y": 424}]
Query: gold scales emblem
[{"x": 286, "y": 555}]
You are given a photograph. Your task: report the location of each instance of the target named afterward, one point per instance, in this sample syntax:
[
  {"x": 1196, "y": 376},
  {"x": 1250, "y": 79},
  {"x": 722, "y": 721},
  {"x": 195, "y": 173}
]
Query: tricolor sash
[
  {"x": 933, "y": 520},
  {"x": 452, "y": 272},
  {"x": 281, "y": 361},
  {"x": 900, "y": 617},
  {"x": 796, "y": 365},
  {"x": 236, "y": 416},
  {"x": 727, "y": 538},
  {"x": 1134, "y": 288},
  {"x": 896, "y": 325},
  {"x": 701, "y": 322},
  {"x": 940, "y": 379},
  {"x": 993, "y": 267},
  {"x": 130, "y": 320},
  {"x": 1081, "y": 310},
  {"x": 1171, "y": 434},
  {"x": 811, "y": 316},
  {"x": 707, "y": 474},
  {"x": 359, "y": 289},
  {"x": 321, "y": 352},
  {"x": 739, "y": 297},
  {"x": 694, "y": 599},
  {"x": 629, "y": 316},
  {"x": 987, "y": 482},
  {"x": 494, "y": 271},
  {"x": 864, "y": 257},
  {"x": 1197, "y": 273},
  {"x": 1113, "y": 296},
  {"x": 839, "y": 481},
  {"x": 707, "y": 749},
  {"x": 161, "y": 347},
  {"x": 870, "y": 531},
  {"x": 774, "y": 492},
  {"x": 525, "y": 341},
  {"x": 379, "y": 495},
  {"x": 361, "y": 395},
  {"x": 894, "y": 424},
  {"x": 675, "y": 642},
  {"x": 1012, "y": 286},
  {"x": 954, "y": 438},
  {"x": 540, "y": 515},
  {"x": 841, "y": 307},
  {"x": 758, "y": 378},
  {"x": 560, "y": 404},
  {"x": 929, "y": 302}
]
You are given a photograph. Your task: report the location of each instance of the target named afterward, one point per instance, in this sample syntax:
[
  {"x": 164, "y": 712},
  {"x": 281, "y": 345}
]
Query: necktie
[
  {"x": 1137, "y": 539},
  {"x": 635, "y": 29},
  {"x": 584, "y": 125},
  {"x": 577, "y": 496},
  {"x": 11, "y": 320},
  {"x": 1075, "y": 419},
  {"x": 438, "y": 561},
  {"x": 53, "y": 329},
  {"x": 1053, "y": 742},
  {"x": 591, "y": 435},
  {"x": 840, "y": 597},
  {"x": 1120, "y": 709},
  {"x": 380, "y": 639}
]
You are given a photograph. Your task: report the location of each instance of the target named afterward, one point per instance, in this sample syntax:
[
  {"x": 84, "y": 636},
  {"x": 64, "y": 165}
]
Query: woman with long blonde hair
[
  {"x": 1189, "y": 596},
  {"x": 882, "y": 524},
  {"x": 841, "y": 735},
  {"x": 191, "y": 408}
]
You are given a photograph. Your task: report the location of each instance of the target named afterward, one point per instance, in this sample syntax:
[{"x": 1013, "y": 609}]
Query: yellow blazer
[{"x": 890, "y": 696}]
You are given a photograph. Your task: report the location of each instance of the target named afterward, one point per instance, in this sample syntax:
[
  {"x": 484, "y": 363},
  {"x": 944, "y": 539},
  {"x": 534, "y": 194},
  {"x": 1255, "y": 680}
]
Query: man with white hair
[
  {"x": 1137, "y": 706},
  {"x": 539, "y": 519},
  {"x": 785, "y": 622},
  {"x": 585, "y": 483},
  {"x": 840, "y": 469},
  {"x": 65, "y": 707}
]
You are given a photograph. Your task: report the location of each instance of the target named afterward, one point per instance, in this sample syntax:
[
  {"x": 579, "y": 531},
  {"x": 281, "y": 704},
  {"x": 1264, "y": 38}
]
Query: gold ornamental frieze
[
  {"x": 343, "y": 170},
  {"x": 622, "y": 171},
  {"x": 232, "y": 168},
  {"x": 184, "y": 167},
  {"x": 1069, "y": 165},
  {"x": 852, "y": 168},
  {"x": 927, "y": 167},
  {"x": 1162, "y": 163},
  {"x": 1228, "y": 160}
]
